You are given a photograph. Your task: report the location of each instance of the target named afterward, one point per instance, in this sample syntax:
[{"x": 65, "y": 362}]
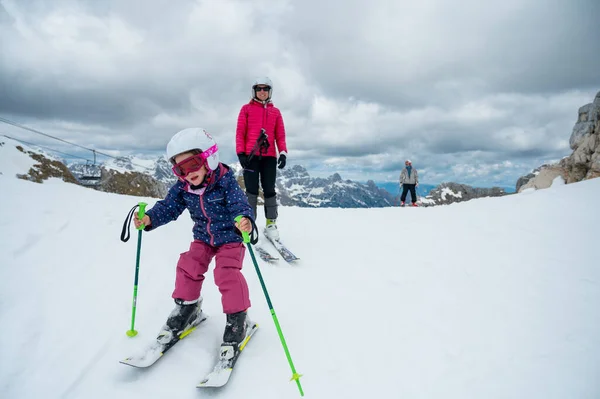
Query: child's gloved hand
[
  {"x": 145, "y": 221},
  {"x": 244, "y": 225}
]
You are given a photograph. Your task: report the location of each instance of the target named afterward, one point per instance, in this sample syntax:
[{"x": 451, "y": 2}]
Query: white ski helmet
[
  {"x": 262, "y": 81},
  {"x": 194, "y": 138}
]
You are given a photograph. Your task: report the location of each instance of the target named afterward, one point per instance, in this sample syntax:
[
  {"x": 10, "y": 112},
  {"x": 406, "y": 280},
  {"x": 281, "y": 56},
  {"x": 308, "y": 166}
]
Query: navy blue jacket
[{"x": 213, "y": 211}]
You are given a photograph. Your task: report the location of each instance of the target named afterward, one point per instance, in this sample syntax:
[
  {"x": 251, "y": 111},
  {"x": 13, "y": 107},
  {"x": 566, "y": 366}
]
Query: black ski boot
[
  {"x": 235, "y": 329},
  {"x": 235, "y": 332},
  {"x": 185, "y": 316}
]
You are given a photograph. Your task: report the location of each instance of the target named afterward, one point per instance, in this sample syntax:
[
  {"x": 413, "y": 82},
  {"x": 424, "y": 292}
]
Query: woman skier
[{"x": 260, "y": 135}]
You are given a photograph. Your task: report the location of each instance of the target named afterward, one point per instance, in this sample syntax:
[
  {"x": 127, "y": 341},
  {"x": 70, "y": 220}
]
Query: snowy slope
[
  {"x": 492, "y": 298},
  {"x": 13, "y": 161}
]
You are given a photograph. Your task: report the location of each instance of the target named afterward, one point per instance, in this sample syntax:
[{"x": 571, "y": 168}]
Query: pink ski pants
[{"x": 193, "y": 264}]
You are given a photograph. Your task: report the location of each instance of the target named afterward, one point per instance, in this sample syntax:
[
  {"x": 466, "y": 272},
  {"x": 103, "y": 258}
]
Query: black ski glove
[
  {"x": 281, "y": 161},
  {"x": 243, "y": 159}
]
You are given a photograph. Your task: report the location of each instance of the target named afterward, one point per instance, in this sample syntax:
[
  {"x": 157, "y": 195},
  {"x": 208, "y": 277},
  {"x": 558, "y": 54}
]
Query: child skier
[{"x": 211, "y": 194}]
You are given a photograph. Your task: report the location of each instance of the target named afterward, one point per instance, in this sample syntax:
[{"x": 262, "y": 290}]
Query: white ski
[
  {"x": 287, "y": 255},
  {"x": 227, "y": 359},
  {"x": 163, "y": 342}
]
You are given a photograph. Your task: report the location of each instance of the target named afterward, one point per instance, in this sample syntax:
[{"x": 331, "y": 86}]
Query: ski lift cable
[
  {"x": 46, "y": 148},
  {"x": 9, "y": 122}
]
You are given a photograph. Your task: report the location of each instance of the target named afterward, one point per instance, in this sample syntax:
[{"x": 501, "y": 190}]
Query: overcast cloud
[{"x": 473, "y": 92}]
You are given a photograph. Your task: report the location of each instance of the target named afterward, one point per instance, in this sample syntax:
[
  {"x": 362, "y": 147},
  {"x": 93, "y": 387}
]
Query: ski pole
[
  {"x": 262, "y": 143},
  {"x": 141, "y": 212},
  {"x": 295, "y": 375}
]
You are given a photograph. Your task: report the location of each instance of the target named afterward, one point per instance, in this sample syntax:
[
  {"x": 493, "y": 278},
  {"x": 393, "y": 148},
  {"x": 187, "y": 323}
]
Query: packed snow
[{"x": 491, "y": 298}]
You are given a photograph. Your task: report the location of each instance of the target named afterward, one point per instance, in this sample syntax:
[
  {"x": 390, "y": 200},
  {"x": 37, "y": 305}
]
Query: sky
[
  {"x": 462, "y": 307},
  {"x": 471, "y": 92}
]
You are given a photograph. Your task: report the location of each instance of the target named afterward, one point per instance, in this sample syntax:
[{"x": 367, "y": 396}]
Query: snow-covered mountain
[
  {"x": 152, "y": 176},
  {"x": 294, "y": 185},
  {"x": 297, "y": 188}
]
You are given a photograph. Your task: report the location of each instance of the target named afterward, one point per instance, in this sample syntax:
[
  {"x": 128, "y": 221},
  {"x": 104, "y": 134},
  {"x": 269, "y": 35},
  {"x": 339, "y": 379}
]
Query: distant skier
[
  {"x": 211, "y": 194},
  {"x": 409, "y": 180},
  {"x": 259, "y": 128}
]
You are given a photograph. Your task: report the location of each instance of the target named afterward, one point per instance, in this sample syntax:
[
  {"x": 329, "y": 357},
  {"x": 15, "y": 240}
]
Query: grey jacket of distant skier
[{"x": 413, "y": 179}]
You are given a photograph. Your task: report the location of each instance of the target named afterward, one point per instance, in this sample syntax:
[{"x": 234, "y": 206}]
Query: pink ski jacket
[{"x": 252, "y": 118}]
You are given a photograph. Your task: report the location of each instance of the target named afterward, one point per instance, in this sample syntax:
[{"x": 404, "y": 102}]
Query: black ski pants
[
  {"x": 413, "y": 192},
  {"x": 263, "y": 169}
]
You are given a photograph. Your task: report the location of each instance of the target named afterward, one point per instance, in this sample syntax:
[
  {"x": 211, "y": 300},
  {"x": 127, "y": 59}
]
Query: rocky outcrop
[
  {"x": 131, "y": 183},
  {"x": 583, "y": 163},
  {"x": 449, "y": 193},
  {"x": 45, "y": 168},
  {"x": 543, "y": 177}
]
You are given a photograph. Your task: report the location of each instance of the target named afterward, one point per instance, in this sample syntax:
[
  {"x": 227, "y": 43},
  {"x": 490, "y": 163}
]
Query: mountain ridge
[{"x": 152, "y": 177}]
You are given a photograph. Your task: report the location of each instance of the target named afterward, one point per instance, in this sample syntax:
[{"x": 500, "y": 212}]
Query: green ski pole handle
[
  {"x": 142, "y": 213},
  {"x": 245, "y": 235}
]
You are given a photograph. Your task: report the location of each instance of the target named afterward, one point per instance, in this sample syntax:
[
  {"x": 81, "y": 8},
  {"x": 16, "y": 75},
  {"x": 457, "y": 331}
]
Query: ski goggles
[
  {"x": 193, "y": 163},
  {"x": 264, "y": 88}
]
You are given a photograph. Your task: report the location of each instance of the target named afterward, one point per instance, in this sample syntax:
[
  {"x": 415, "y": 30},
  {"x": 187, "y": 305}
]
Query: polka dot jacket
[{"x": 213, "y": 210}]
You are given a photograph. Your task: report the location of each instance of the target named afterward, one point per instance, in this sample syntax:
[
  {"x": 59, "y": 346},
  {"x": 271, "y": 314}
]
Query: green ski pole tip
[{"x": 131, "y": 333}]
